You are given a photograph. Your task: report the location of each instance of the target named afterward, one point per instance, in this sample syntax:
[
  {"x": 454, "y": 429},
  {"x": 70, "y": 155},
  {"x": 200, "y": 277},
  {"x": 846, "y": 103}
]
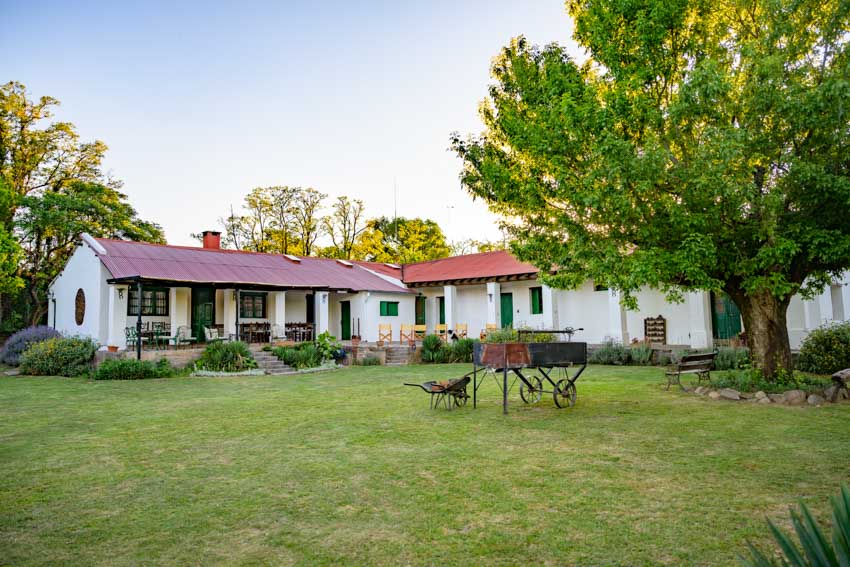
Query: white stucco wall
[
  {"x": 583, "y": 307},
  {"x": 651, "y": 303},
  {"x": 83, "y": 271}
]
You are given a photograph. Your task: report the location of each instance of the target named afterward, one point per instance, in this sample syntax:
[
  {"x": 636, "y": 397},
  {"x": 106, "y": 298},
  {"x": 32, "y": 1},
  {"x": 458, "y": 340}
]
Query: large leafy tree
[
  {"x": 51, "y": 191},
  {"x": 401, "y": 240},
  {"x": 702, "y": 145},
  {"x": 345, "y": 223},
  {"x": 49, "y": 226}
]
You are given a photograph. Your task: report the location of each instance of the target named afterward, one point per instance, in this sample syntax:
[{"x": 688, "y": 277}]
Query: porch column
[
  {"x": 617, "y": 318},
  {"x": 699, "y": 315},
  {"x": 228, "y": 318},
  {"x": 322, "y": 306},
  {"x": 810, "y": 314},
  {"x": 116, "y": 318},
  {"x": 450, "y": 293},
  {"x": 280, "y": 309},
  {"x": 825, "y": 305},
  {"x": 845, "y": 295},
  {"x": 432, "y": 305},
  {"x": 173, "y": 310},
  {"x": 550, "y": 309},
  {"x": 494, "y": 304}
]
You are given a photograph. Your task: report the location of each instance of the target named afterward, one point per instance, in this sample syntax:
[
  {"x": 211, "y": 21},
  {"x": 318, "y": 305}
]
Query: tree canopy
[
  {"x": 402, "y": 241},
  {"x": 702, "y": 145},
  {"x": 51, "y": 191}
]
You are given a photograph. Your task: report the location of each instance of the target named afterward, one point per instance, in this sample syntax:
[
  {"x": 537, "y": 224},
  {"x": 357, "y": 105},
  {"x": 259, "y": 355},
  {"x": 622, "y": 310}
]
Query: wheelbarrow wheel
[
  {"x": 565, "y": 394},
  {"x": 460, "y": 400},
  {"x": 533, "y": 394}
]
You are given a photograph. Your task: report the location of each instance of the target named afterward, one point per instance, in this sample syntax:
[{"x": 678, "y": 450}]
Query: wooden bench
[{"x": 699, "y": 364}]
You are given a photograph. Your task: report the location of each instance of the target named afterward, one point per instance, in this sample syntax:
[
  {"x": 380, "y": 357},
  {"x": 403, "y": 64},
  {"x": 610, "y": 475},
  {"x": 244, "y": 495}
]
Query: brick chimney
[{"x": 212, "y": 239}]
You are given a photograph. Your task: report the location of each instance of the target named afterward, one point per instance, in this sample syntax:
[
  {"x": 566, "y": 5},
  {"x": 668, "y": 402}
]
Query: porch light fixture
[{"x": 120, "y": 293}]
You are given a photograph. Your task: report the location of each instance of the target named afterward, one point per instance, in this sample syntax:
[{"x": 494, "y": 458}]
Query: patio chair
[
  {"x": 132, "y": 338},
  {"x": 211, "y": 335},
  {"x": 419, "y": 332},
  {"x": 487, "y": 328},
  {"x": 183, "y": 337},
  {"x": 159, "y": 335},
  {"x": 385, "y": 332},
  {"x": 441, "y": 332},
  {"x": 406, "y": 334},
  {"x": 461, "y": 330}
]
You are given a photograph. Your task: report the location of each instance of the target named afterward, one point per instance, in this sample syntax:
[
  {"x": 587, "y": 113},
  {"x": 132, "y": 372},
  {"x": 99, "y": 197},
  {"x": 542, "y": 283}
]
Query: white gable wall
[{"x": 83, "y": 271}]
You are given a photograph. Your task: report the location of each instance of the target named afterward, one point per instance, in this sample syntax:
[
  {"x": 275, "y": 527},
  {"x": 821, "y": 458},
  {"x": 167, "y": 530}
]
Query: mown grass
[{"x": 350, "y": 467}]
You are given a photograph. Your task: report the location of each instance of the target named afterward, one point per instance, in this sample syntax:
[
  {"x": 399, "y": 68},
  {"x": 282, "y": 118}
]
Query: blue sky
[{"x": 201, "y": 101}]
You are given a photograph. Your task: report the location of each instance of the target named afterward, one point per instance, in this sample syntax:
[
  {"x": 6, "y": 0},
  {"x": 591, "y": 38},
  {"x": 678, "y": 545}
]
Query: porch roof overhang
[
  {"x": 473, "y": 281},
  {"x": 242, "y": 286}
]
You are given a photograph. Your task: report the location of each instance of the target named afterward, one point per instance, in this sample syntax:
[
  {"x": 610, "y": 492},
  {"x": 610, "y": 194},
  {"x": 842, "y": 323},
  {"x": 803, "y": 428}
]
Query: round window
[{"x": 80, "y": 306}]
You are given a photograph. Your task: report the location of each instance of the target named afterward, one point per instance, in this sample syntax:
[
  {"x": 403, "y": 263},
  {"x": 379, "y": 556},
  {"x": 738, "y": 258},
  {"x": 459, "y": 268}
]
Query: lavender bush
[{"x": 19, "y": 342}]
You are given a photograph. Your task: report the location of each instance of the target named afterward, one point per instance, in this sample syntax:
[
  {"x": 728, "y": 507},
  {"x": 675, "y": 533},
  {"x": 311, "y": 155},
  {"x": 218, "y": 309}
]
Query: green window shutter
[
  {"x": 536, "y": 300},
  {"x": 442, "y": 310},
  {"x": 392, "y": 309},
  {"x": 383, "y": 310}
]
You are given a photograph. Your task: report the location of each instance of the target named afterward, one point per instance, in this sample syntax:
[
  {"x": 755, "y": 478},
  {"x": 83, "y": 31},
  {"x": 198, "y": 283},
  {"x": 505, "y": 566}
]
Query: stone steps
[{"x": 271, "y": 364}]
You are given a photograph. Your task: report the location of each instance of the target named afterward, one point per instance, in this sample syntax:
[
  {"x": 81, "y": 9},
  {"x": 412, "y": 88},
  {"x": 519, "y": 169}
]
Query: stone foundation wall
[{"x": 177, "y": 358}]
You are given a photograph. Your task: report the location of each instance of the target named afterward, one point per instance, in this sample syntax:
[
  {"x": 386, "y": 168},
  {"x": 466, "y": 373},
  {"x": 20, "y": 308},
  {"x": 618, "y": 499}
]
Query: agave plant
[{"x": 815, "y": 549}]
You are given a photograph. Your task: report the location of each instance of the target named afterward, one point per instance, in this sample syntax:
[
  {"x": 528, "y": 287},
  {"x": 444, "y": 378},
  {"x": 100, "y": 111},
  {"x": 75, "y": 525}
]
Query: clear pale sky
[{"x": 201, "y": 101}]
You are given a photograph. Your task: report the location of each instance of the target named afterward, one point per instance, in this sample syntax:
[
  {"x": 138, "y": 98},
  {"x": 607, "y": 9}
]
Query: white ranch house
[{"x": 201, "y": 287}]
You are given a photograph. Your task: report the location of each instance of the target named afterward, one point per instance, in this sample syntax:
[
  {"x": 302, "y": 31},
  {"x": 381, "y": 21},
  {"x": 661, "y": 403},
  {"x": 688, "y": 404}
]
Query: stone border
[
  {"x": 214, "y": 374},
  {"x": 788, "y": 398}
]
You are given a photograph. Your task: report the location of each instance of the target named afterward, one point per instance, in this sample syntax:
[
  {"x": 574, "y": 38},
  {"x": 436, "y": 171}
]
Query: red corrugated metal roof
[
  {"x": 471, "y": 266},
  {"x": 381, "y": 268},
  {"x": 126, "y": 259}
]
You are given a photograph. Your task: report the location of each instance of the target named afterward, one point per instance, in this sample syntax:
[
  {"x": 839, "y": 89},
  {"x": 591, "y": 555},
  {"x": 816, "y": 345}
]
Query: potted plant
[
  {"x": 355, "y": 340},
  {"x": 112, "y": 348}
]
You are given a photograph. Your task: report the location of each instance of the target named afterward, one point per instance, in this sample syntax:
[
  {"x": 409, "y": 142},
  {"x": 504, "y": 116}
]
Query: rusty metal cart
[{"x": 552, "y": 360}]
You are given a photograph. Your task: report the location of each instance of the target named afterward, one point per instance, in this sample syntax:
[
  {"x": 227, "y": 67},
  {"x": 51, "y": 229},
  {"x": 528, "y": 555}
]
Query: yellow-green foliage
[
  {"x": 68, "y": 356},
  {"x": 826, "y": 350}
]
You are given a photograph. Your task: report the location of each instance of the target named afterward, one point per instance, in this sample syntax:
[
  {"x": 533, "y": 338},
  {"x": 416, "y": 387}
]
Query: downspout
[
  {"x": 139, "y": 321},
  {"x": 53, "y": 299}
]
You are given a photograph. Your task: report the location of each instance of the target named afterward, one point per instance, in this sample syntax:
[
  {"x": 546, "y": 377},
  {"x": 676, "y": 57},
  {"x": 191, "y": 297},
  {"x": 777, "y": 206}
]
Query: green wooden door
[
  {"x": 507, "y": 307},
  {"x": 420, "y": 310},
  {"x": 203, "y": 311},
  {"x": 725, "y": 316},
  {"x": 442, "y": 301},
  {"x": 345, "y": 319}
]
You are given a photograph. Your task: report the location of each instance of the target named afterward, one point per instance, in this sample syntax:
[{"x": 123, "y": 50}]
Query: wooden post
[
  {"x": 138, "y": 321},
  {"x": 238, "y": 299},
  {"x": 505, "y": 381}
]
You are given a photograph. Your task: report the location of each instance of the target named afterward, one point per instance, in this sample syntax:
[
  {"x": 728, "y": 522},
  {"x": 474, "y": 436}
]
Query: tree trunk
[{"x": 766, "y": 330}]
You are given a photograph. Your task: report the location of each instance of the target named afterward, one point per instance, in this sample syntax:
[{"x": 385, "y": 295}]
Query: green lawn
[{"x": 350, "y": 467}]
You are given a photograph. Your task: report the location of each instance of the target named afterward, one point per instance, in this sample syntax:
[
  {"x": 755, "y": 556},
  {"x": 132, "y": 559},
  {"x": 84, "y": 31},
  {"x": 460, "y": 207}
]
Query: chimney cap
[{"x": 213, "y": 232}]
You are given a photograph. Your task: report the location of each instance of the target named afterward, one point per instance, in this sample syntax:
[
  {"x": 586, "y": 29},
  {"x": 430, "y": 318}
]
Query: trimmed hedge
[
  {"x": 132, "y": 369},
  {"x": 69, "y": 356},
  {"x": 19, "y": 342}
]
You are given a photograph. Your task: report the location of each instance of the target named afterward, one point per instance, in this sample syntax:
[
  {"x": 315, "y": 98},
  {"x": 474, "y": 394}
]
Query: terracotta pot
[
  {"x": 112, "y": 348},
  {"x": 379, "y": 343}
]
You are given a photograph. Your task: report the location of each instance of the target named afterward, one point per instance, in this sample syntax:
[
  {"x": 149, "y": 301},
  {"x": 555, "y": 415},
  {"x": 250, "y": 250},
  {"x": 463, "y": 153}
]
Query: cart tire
[
  {"x": 460, "y": 401},
  {"x": 565, "y": 394},
  {"x": 531, "y": 395}
]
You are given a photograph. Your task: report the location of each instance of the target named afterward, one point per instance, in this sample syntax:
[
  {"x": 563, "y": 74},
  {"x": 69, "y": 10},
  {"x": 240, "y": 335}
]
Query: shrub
[
  {"x": 731, "y": 358},
  {"x": 826, "y": 350},
  {"x": 610, "y": 353},
  {"x": 16, "y": 344},
  {"x": 433, "y": 349},
  {"x": 752, "y": 380},
  {"x": 506, "y": 335},
  {"x": 328, "y": 346},
  {"x": 369, "y": 361},
  {"x": 641, "y": 354},
  {"x": 68, "y": 356},
  {"x": 132, "y": 369},
  {"x": 460, "y": 350},
  {"x": 816, "y": 548},
  {"x": 226, "y": 357},
  {"x": 305, "y": 355}
]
